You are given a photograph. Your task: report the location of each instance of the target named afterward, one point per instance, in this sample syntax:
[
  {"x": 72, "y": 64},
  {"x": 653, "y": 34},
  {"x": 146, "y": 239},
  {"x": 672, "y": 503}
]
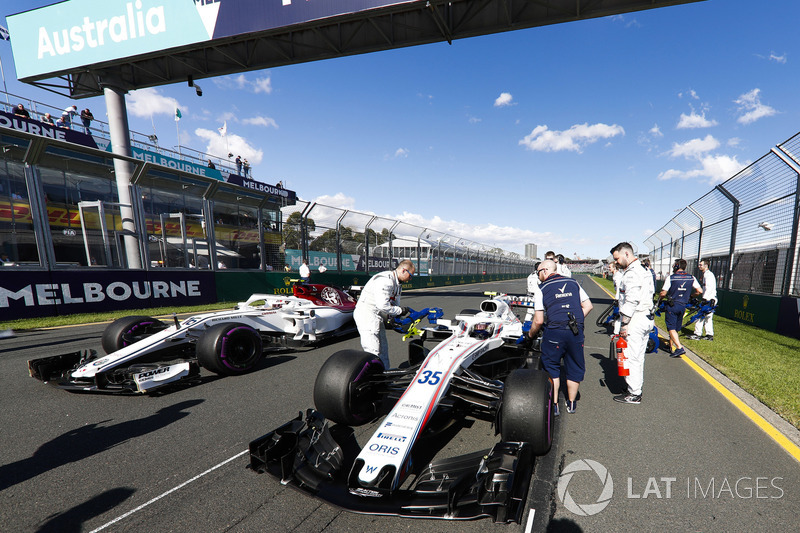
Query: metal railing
[
  {"x": 342, "y": 239},
  {"x": 746, "y": 227}
]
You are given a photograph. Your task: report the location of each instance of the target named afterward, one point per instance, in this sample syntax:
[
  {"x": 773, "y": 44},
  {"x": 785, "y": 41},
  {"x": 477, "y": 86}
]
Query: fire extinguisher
[{"x": 622, "y": 362}]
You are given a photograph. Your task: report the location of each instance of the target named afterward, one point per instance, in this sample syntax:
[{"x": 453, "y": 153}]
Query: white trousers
[
  {"x": 706, "y": 322},
  {"x": 638, "y": 333},
  {"x": 373, "y": 334}
]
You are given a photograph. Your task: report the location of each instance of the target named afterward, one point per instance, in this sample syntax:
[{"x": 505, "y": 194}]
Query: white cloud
[
  {"x": 693, "y": 121},
  {"x": 241, "y": 82},
  {"x": 750, "y": 104},
  {"x": 505, "y": 99},
  {"x": 401, "y": 152},
  {"x": 220, "y": 146},
  {"x": 777, "y": 58},
  {"x": 691, "y": 94},
  {"x": 542, "y": 139},
  {"x": 261, "y": 121},
  {"x": 148, "y": 102},
  {"x": 694, "y": 148},
  {"x": 474, "y": 120},
  {"x": 717, "y": 168},
  {"x": 655, "y": 131}
]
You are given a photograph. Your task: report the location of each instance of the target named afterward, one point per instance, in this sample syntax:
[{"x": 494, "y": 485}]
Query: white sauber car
[
  {"x": 144, "y": 353},
  {"x": 476, "y": 366}
]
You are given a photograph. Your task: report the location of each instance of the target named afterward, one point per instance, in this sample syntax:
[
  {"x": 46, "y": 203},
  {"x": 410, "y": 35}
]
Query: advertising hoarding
[{"x": 68, "y": 35}]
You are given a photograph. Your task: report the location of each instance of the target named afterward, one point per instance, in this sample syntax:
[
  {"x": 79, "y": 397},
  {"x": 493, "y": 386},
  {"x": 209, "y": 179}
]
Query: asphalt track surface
[{"x": 684, "y": 460}]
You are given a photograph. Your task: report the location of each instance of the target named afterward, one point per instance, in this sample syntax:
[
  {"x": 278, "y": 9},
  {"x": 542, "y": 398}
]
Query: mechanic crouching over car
[
  {"x": 380, "y": 300},
  {"x": 566, "y": 305}
]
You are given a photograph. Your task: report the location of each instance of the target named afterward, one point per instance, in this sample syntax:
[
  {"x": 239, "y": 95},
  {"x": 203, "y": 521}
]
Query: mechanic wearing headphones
[
  {"x": 560, "y": 298},
  {"x": 559, "y": 260},
  {"x": 379, "y": 300},
  {"x": 677, "y": 289},
  {"x": 709, "y": 295},
  {"x": 636, "y": 300}
]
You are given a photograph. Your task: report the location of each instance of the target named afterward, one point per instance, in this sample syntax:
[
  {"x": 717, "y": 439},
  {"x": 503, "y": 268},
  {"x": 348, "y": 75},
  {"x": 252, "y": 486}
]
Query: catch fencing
[
  {"x": 346, "y": 240},
  {"x": 746, "y": 227}
]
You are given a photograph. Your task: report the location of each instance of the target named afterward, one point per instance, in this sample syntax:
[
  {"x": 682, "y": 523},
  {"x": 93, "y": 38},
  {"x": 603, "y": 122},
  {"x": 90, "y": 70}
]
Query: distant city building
[{"x": 530, "y": 251}]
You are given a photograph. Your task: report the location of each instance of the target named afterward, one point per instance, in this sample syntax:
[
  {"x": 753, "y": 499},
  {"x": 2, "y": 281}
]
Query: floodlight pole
[{"x": 123, "y": 171}]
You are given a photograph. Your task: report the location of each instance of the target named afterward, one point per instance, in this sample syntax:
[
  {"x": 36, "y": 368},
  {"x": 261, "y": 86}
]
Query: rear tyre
[
  {"x": 128, "y": 330},
  {"x": 526, "y": 412},
  {"x": 343, "y": 392},
  {"x": 229, "y": 349}
]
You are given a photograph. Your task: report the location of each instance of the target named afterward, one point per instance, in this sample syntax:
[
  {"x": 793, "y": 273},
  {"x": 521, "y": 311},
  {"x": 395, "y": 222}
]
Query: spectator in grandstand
[
  {"x": 239, "y": 164},
  {"x": 86, "y": 119},
  {"x": 62, "y": 123},
  {"x": 566, "y": 305},
  {"x": 636, "y": 301},
  {"x": 246, "y": 168},
  {"x": 211, "y": 164},
  {"x": 20, "y": 111},
  {"x": 709, "y": 296},
  {"x": 6, "y": 261},
  {"x": 677, "y": 290},
  {"x": 68, "y": 114},
  {"x": 322, "y": 269},
  {"x": 305, "y": 272},
  {"x": 380, "y": 300},
  {"x": 48, "y": 119}
]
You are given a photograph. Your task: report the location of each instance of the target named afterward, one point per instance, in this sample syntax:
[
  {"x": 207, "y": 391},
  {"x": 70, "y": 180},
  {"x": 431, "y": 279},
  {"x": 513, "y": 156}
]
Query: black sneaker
[
  {"x": 571, "y": 405},
  {"x": 555, "y": 410},
  {"x": 628, "y": 398},
  {"x": 708, "y": 338},
  {"x": 677, "y": 353}
]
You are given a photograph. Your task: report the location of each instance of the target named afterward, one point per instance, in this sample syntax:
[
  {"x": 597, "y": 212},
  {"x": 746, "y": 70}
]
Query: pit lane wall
[{"x": 33, "y": 294}]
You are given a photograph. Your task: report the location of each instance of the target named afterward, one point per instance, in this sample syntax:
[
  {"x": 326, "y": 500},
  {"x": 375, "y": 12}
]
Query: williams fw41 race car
[
  {"x": 475, "y": 365},
  {"x": 144, "y": 354}
]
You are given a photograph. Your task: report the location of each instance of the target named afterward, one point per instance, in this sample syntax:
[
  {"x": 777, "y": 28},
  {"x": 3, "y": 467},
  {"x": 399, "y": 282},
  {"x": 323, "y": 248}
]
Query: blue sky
[{"x": 574, "y": 136}]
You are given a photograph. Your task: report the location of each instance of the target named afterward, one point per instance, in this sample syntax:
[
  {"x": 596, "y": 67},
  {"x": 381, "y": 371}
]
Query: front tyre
[
  {"x": 344, "y": 392},
  {"x": 229, "y": 349},
  {"x": 129, "y": 330},
  {"x": 526, "y": 412}
]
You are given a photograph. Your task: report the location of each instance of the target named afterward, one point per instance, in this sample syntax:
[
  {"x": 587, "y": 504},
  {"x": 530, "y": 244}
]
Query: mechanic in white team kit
[
  {"x": 709, "y": 284},
  {"x": 636, "y": 321},
  {"x": 379, "y": 300}
]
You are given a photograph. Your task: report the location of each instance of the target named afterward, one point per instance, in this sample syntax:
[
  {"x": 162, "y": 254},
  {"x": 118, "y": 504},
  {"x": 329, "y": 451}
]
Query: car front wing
[{"x": 308, "y": 454}]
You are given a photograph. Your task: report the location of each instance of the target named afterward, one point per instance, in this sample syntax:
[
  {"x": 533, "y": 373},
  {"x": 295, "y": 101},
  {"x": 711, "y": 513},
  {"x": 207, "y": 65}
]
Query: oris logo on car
[
  {"x": 144, "y": 376},
  {"x": 382, "y": 448}
]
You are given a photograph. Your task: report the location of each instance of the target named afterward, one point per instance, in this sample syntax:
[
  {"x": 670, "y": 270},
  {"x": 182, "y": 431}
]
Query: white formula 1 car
[
  {"x": 144, "y": 353},
  {"x": 476, "y": 366}
]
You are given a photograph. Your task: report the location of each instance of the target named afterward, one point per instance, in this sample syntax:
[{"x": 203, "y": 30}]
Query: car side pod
[{"x": 309, "y": 455}]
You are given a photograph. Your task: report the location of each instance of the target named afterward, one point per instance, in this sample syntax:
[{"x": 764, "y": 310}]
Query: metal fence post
[
  {"x": 734, "y": 227},
  {"x": 791, "y": 252}
]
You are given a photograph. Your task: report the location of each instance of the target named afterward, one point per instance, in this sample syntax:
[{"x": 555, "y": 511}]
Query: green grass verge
[
  {"x": 763, "y": 363},
  {"x": 92, "y": 318}
]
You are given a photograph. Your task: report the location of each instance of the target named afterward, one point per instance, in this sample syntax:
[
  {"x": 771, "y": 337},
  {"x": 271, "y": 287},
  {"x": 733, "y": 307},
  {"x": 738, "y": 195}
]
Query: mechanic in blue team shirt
[
  {"x": 677, "y": 289},
  {"x": 379, "y": 300},
  {"x": 636, "y": 321},
  {"x": 566, "y": 305}
]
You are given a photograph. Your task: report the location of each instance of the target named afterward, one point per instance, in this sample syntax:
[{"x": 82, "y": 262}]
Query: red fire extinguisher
[{"x": 622, "y": 362}]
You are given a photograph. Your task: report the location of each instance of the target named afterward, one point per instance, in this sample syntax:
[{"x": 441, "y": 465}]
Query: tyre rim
[{"x": 238, "y": 351}]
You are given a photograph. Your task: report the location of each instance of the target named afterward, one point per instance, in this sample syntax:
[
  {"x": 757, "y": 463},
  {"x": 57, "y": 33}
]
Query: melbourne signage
[
  {"x": 376, "y": 263},
  {"x": 25, "y": 294},
  {"x": 35, "y": 127},
  {"x": 62, "y": 37},
  {"x": 170, "y": 162},
  {"x": 254, "y": 185}
]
